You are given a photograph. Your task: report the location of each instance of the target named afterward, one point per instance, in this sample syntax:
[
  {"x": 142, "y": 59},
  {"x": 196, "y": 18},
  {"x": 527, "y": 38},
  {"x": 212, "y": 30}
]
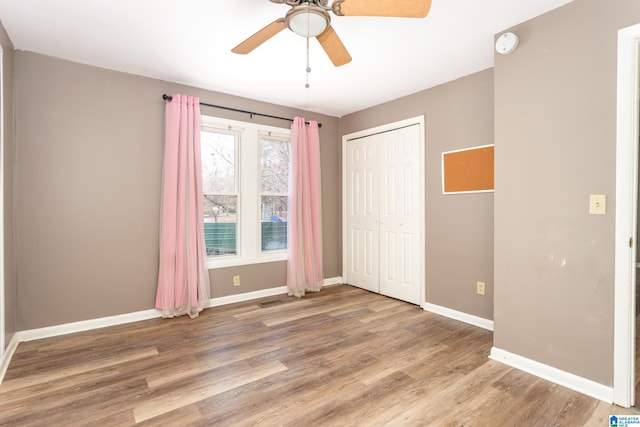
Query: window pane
[
  {"x": 220, "y": 224},
  {"x": 274, "y": 166},
  {"x": 218, "y": 162},
  {"x": 274, "y": 223}
]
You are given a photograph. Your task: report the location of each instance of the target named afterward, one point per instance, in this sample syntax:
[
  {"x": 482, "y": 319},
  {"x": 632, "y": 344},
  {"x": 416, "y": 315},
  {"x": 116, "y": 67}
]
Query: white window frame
[{"x": 248, "y": 234}]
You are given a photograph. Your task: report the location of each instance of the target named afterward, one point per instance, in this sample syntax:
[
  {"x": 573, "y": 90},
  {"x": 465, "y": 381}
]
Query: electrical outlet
[
  {"x": 597, "y": 204},
  {"x": 480, "y": 288},
  {"x": 236, "y": 280}
]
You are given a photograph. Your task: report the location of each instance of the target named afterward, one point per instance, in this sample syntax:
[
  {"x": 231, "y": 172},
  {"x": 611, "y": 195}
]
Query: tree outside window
[{"x": 274, "y": 188}]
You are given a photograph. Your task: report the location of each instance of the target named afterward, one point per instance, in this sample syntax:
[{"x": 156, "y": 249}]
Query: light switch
[{"x": 597, "y": 204}]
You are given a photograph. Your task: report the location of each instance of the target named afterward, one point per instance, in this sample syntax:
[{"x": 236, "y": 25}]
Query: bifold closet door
[
  {"x": 383, "y": 212},
  {"x": 400, "y": 251},
  {"x": 363, "y": 232}
]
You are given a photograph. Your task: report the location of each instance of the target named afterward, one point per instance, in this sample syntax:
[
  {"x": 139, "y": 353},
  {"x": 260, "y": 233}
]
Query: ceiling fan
[{"x": 311, "y": 18}]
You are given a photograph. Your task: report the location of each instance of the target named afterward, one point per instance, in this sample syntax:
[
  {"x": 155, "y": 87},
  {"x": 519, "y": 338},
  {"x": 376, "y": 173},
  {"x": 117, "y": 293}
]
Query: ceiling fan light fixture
[{"x": 307, "y": 21}]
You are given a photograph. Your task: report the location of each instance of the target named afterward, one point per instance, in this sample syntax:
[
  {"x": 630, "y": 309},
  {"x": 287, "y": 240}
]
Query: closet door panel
[
  {"x": 362, "y": 216},
  {"x": 399, "y": 227}
]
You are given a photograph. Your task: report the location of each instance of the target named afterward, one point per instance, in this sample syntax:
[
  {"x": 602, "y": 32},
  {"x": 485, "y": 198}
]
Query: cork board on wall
[{"x": 469, "y": 170}]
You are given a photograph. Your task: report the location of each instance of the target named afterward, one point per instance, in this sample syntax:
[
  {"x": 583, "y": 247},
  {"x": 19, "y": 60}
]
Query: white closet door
[
  {"x": 362, "y": 232},
  {"x": 383, "y": 210},
  {"x": 400, "y": 251}
]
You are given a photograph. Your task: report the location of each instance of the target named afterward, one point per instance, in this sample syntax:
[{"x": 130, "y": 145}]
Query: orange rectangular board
[{"x": 468, "y": 171}]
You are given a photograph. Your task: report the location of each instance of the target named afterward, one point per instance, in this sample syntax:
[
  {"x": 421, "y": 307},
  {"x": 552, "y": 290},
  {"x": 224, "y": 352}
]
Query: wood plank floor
[{"x": 342, "y": 357}]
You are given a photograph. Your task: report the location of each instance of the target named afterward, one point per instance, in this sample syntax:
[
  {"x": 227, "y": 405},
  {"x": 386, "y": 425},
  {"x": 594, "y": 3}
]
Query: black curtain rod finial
[{"x": 250, "y": 113}]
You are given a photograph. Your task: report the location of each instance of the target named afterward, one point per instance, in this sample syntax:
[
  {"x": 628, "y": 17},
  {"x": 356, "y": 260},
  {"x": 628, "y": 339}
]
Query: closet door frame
[{"x": 418, "y": 120}]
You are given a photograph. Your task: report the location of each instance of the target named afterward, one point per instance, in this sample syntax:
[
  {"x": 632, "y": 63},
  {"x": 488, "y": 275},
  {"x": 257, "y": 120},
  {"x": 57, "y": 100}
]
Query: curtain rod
[{"x": 250, "y": 113}]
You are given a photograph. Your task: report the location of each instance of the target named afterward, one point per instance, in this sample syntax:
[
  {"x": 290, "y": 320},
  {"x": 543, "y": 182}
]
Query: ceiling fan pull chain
[{"x": 308, "y": 68}]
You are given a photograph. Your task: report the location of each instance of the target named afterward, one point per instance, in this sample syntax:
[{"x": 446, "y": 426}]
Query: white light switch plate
[{"x": 598, "y": 204}]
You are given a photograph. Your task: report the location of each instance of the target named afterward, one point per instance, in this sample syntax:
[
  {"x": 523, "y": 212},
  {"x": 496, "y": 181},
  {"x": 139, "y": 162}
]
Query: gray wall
[
  {"x": 555, "y": 129},
  {"x": 9, "y": 259},
  {"x": 87, "y": 175},
  {"x": 459, "y": 228}
]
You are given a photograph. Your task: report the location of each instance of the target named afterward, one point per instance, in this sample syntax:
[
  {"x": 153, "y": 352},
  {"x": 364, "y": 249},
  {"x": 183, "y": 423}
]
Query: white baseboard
[
  {"x": 7, "y": 355},
  {"x": 459, "y": 315},
  {"x": 232, "y": 299},
  {"x": 87, "y": 325},
  {"x": 332, "y": 281},
  {"x": 557, "y": 376},
  {"x": 103, "y": 322}
]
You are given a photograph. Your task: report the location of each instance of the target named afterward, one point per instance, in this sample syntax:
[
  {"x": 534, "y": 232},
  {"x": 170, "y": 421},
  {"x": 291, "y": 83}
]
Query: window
[
  {"x": 274, "y": 186},
  {"x": 245, "y": 175},
  {"x": 220, "y": 187}
]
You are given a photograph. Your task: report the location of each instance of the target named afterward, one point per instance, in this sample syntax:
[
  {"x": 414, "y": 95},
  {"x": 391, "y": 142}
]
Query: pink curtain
[
  {"x": 304, "y": 265},
  {"x": 183, "y": 279}
]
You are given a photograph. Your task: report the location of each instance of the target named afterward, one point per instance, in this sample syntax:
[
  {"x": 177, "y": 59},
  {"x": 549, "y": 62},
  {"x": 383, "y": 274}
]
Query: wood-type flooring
[{"x": 341, "y": 357}]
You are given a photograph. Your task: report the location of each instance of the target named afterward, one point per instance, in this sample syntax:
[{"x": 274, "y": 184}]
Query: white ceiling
[{"x": 189, "y": 42}]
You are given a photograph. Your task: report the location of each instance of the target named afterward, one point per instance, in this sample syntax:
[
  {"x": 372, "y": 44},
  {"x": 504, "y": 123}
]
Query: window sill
[{"x": 235, "y": 261}]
